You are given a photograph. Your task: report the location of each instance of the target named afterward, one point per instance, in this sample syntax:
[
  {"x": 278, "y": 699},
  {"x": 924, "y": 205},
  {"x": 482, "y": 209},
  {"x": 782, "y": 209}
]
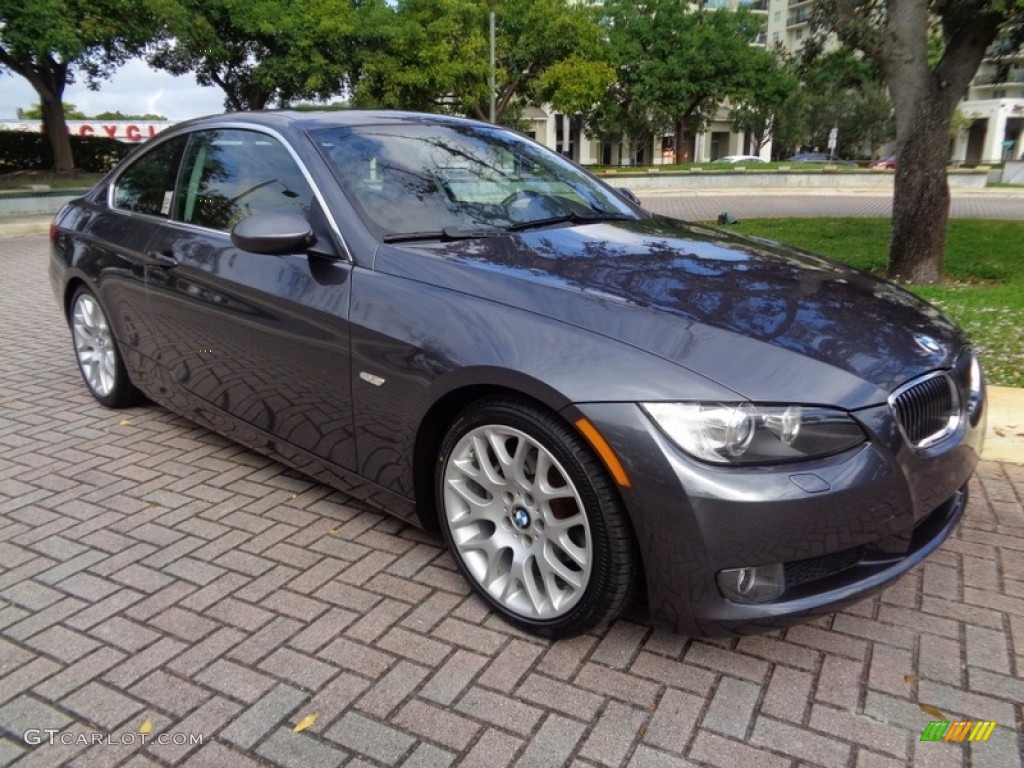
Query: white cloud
[{"x": 135, "y": 88}]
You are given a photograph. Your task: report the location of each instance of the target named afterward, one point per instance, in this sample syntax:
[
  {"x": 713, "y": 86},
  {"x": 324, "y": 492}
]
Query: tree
[
  {"x": 71, "y": 112},
  {"x": 35, "y": 112},
  {"x": 435, "y": 56},
  {"x": 263, "y": 51},
  {"x": 48, "y": 41},
  {"x": 926, "y": 82},
  {"x": 758, "y": 114},
  {"x": 432, "y": 56},
  {"x": 839, "y": 89},
  {"x": 870, "y": 118},
  {"x": 119, "y": 115},
  {"x": 676, "y": 66}
]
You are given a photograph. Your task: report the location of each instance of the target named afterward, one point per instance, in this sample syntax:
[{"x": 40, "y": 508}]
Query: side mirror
[{"x": 273, "y": 232}]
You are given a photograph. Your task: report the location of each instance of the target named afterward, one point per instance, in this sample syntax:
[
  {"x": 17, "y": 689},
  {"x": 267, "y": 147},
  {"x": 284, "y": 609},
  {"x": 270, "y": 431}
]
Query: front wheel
[
  {"x": 98, "y": 357},
  {"x": 533, "y": 520}
]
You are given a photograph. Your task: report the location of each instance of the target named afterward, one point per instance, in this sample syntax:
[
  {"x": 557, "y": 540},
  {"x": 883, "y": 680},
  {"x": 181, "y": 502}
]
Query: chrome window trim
[
  {"x": 952, "y": 423},
  {"x": 232, "y": 125}
]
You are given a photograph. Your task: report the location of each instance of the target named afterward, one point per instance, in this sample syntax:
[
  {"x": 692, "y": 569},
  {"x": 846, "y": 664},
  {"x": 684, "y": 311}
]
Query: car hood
[{"x": 763, "y": 319}]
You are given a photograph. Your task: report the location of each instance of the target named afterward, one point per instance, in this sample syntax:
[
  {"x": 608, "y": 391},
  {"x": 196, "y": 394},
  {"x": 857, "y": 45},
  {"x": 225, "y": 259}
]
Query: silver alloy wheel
[
  {"x": 94, "y": 345},
  {"x": 517, "y": 522}
]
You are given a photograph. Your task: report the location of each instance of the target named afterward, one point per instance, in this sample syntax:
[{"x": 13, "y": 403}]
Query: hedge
[{"x": 22, "y": 151}]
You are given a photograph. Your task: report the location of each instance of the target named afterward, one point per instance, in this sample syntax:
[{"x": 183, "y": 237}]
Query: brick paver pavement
[{"x": 153, "y": 574}]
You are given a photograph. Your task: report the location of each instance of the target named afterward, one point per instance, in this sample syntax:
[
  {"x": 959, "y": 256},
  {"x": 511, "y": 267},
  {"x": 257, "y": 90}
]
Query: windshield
[{"x": 445, "y": 179}]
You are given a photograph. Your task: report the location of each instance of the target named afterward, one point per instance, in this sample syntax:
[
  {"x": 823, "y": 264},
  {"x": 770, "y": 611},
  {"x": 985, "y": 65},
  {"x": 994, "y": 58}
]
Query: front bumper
[{"x": 842, "y": 527}]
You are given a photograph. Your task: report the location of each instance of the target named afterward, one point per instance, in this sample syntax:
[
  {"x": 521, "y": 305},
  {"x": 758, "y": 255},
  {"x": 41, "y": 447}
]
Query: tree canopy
[
  {"x": 35, "y": 112},
  {"x": 71, "y": 112},
  {"x": 49, "y": 42},
  {"x": 434, "y": 55},
  {"x": 838, "y": 88},
  {"x": 759, "y": 114},
  {"x": 676, "y": 65},
  {"x": 261, "y": 52}
]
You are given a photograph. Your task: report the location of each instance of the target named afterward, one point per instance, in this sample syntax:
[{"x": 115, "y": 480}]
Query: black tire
[
  {"x": 553, "y": 551},
  {"x": 97, "y": 353}
]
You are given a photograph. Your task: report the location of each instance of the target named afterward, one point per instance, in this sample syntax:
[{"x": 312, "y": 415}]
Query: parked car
[
  {"x": 734, "y": 159},
  {"x": 588, "y": 400},
  {"x": 820, "y": 157},
  {"x": 889, "y": 161}
]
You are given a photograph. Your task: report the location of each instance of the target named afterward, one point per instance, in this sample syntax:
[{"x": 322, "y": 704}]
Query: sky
[{"x": 134, "y": 89}]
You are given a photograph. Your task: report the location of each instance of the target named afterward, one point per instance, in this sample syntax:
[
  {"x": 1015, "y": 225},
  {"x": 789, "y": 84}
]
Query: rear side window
[
  {"x": 147, "y": 185},
  {"x": 231, "y": 174}
]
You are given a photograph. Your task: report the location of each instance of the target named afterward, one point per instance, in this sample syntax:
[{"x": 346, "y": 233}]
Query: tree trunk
[
  {"x": 920, "y": 207},
  {"x": 57, "y": 128},
  {"x": 924, "y": 100},
  {"x": 680, "y": 134},
  {"x": 48, "y": 76}
]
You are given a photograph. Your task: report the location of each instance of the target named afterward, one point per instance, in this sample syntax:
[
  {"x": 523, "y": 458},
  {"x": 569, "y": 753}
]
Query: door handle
[{"x": 163, "y": 258}]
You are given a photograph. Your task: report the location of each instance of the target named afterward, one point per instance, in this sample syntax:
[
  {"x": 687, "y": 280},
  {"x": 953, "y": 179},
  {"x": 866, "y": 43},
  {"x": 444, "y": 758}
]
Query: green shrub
[{"x": 23, "y": 151}]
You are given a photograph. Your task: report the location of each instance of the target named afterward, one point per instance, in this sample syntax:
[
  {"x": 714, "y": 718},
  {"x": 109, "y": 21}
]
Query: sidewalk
[
  {"x": 25, "y": 225},
  {"x": 1004, "y": 440}
]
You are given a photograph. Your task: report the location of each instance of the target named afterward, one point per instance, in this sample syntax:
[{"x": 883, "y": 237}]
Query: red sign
[{"x": 122, "y": 130}]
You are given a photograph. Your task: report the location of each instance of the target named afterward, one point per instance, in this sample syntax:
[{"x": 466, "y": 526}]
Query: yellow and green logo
[{"x": 961, "y": 730}]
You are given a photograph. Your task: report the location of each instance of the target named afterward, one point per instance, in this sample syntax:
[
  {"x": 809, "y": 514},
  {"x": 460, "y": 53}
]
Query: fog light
[{"x": 756, "y": 584}]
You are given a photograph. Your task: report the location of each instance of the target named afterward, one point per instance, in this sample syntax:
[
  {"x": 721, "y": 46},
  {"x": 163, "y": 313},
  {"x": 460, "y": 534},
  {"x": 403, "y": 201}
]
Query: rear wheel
[
  {"x": 98, "y": 357},
  {"x": 533, "y": 520}
]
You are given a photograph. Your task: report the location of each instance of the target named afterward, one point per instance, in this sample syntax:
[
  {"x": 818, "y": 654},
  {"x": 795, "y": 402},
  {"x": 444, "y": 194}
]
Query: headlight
[
  {"x": 744, "y": 433},
  {"x": 975, "y": 385}
]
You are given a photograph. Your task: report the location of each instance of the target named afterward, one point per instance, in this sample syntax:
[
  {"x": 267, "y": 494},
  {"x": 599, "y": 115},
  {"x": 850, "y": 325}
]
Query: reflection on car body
[{"x": 592, "y": 403}]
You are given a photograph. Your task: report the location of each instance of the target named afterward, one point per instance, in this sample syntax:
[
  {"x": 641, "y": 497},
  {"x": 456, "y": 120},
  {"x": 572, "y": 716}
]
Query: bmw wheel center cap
[{"x": 521, "y": 518}]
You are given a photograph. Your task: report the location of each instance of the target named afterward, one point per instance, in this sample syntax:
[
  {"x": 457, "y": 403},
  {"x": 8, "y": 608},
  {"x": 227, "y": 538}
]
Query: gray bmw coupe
[{"x": 593, "y": 404}]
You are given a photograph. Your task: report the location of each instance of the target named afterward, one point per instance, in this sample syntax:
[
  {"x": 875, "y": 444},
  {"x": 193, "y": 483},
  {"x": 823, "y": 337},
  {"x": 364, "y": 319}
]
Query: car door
[
  {"x": 261, "y": 338},
  {"x": 113, "y": 226}
]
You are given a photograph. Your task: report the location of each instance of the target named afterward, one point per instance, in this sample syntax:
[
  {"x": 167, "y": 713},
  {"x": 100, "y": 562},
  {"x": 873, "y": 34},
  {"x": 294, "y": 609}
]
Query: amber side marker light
[{"x": 604, "y": 451}]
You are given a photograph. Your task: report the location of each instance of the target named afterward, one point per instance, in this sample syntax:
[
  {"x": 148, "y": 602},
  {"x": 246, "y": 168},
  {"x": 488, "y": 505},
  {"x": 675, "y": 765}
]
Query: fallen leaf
[
  {"x": 146, "y": 727},
  {"x": 909, "y": 679},
  {"x": 928, "y": 709},
  {"x": 125, "y": 423},
  {"x": 333, "y": 532},
  {"x": 999, "y": 432},
  {"x": 305, "y": 723}
]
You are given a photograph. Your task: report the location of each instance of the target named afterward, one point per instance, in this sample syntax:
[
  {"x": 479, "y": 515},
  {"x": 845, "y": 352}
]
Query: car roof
[{"x": 292, "y": 119}]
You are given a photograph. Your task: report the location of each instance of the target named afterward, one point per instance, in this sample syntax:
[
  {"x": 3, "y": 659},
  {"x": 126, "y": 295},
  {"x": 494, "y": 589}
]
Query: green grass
[{"x": 983, "y": 289}]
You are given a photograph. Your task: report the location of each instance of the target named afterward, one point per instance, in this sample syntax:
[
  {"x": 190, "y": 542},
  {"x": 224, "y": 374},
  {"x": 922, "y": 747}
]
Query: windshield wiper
[
  {"x": 575, "y": 218},
  {"x": 447, "y": 233}
]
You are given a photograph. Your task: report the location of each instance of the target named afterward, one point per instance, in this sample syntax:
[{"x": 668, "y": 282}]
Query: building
[{"x": 995, "y": 107}]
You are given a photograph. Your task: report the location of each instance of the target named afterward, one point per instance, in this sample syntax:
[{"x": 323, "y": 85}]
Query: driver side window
[{"x": 231, "y": 174}]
